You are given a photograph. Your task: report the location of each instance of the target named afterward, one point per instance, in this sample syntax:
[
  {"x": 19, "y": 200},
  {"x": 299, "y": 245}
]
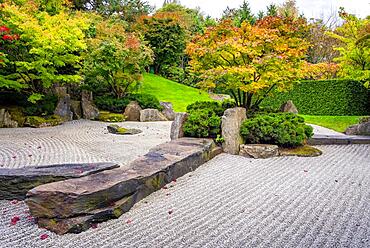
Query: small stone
[
  {"x": 259, "y": 151},
  {"x": 289, "y": 107},
  {"x": 168, "y": 111}
]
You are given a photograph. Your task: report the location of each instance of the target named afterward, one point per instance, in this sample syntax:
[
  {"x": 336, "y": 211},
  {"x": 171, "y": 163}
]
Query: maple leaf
[
  {"x": 14, "y": 220},
  {"x": 44, "y": 236}
]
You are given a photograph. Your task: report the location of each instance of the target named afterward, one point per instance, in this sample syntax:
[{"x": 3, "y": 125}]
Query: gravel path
[
  {"x": 319, "y": 130},
  {"x": 78, "y": 141},
  {"x": 234, "y": 202}
]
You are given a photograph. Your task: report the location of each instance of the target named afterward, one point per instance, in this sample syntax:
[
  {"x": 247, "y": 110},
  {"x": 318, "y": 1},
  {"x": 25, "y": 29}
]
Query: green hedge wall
[{"x": 325, "y": 97}]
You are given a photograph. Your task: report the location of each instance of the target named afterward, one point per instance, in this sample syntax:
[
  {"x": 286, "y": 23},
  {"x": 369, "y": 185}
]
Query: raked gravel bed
[
  {"x": 78, "y": 141},
  {"x": 233, "y": 201}
]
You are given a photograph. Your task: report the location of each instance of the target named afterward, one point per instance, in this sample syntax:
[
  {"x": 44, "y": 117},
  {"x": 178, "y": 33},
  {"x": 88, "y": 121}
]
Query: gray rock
[
  {"x": 359, "y": 129},
  {"x": 177, "y": 127},
  {"x": 72, "y": 205},
  {"x": 230, "y": 125},
  {"x": 115, "y": 129},
  {"x": 6, "y": 119},
  {"x": 132, "y": 111},
  {"x": 289, "y": 107},
  {"x": 259, "y": 151},
  {"x": 60, "y": 91},
  {"x": 168, "y": 111},
  {"x": 63, "y": 108},
  {"x": 89, "y": 111},
  {"x": 76, "y": 109},
  {"x": 15, "y": 183},
  {"x": 151, "y": 115}
]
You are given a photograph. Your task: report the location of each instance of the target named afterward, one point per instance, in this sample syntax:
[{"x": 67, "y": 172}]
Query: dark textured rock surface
[
  {"x": 132, "y": 111},
  {"x": 15, "y": 183},
  {"x": 359, "y": 129},
  {"x": 6, "y": 119},
  {"x": 338, "y": 140},
  {"x": 177, "y": 125},
  {"x": 72, "y": 205},
  {"x": 63, "y": 108},
  {"x": 76, "y": 109},
  {"x": 168, "y": 111}
]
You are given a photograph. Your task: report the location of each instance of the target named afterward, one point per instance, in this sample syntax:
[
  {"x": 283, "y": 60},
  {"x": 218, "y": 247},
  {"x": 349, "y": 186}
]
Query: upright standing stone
[
  {"x": 178, "y": 125},
  {"x": 132, "y": 111},
  {"x": 6, "y": 119},
  {"x": 89, "y": 111},
  {"x": 289, "y": 107},
  {"x": 76, "y": 109},
  {"x": 168, "y": 110},
  {"x": 63, "y": 108},
  {"x": 231, "y": 122}
]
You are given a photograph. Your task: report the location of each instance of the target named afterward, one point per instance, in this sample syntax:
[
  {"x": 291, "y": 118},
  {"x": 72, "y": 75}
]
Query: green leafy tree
[
  {"x": 167, "y": 39},
  {"x": 272, "y": 10},
  {"x": 45, "y": 51},
  {"x": 115, "y": 59},
  {"x": 354, "y": 48},
  {"x": 239, "y": 15}
]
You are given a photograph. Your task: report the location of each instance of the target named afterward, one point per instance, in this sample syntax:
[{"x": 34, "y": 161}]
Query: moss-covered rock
[
  {"x": 110, "y": 117},
  {"x": 17, "y": 115},
  {"x": 300, "y": 151},
  {"x": 47, "y": 121},
  {"x": 115, "y": 129}
]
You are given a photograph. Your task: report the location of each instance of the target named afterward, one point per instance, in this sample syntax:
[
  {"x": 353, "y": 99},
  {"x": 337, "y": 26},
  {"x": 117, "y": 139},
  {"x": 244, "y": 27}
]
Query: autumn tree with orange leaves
[{"x": 250, "y": 61}]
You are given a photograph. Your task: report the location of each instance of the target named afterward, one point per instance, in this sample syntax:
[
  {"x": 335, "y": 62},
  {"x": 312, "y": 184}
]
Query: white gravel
[
  {"x": 233, "y": 201},
  {"x": 78, "y": 141},
  {"x": 319, "y": 130}
]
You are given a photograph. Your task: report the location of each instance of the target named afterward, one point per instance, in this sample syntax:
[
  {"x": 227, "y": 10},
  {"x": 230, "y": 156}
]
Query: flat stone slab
[
  {"x": 338, "y": 140},
  {"x": 74, "y": 205},
  {"x": 15, "y": 183}
]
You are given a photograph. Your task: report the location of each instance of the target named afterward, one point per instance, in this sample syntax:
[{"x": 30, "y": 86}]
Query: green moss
[
  {"x": 301, "y": 151},
  {"x": 110, "y": 117},
  {"x": 48, "y": 121},
  {"x": 121, "y": 130},
  {"x": 17, "y": 115},
  {"x": 117, "y": 212}
]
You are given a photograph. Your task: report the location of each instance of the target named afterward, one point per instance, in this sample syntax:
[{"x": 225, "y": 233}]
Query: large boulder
[
  {"x": 360, "y": 129},
  {"x": 230, "y": 125},
  {"x": 168, "y": 111},
  {"x": 151, "y": 115},
  {"x": 89, "y": 111},
  {"x": 15, "y": 183},
  {"x": 6, "y": 119},
  {"x": 63, "y": 108},
  {"x": 259, "y": 151},
  {"x": 76, "y": 109},
  {"x": 289, "y": 107},
  {"x": 73, "y": 205},
  {"x": 177, "y": 127},
  {"x": 132, "y": 111}
]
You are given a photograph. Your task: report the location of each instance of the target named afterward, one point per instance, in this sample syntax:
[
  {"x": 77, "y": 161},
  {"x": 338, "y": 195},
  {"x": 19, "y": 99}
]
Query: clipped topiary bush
[
  {"x": 283, "y": 129},
  {"x": 325, "y": 97},
  {"x": 202, "y": 123},
  {"x": 110, "y": 117},
  {"x": 215, "y": 107},
  {"x": 146, "y": 101}
]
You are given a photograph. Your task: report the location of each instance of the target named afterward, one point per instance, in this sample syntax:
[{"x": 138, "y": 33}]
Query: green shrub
[
  {"x": 146, "y": 101},
  {"x": 118, "y": 105},
  {"x": 212, "y": 106},
  {"x": 284, "y": 129},
  {"x": 325, "y": 97},
  {"x": 202, "y": 123},
  {"x": 44, "y": 107},
  {"x": 46, "y": 121},
  {"x": 112, "y": 104}
]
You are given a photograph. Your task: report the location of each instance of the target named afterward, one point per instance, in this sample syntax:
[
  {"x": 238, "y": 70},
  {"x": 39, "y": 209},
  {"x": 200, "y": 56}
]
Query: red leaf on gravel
[
  {"x": 170, "y": 212},
  {"x": 14, "y": 220},
  {"x": 29, "y": 155},
  {"x": 30, "y": 218},
  {"x": 94, "y": 226},
  {"x": 128, "y": 221},
  {"x": 305, "y": 170},
  {"x": 39, "y": 147},
  {"x": 168, "y": 194},
  {"x": 174, "y": 180},
  {"x": 14, "y": 157},
  {"x": 44, "y": 236},
  {"x": 164, "y": 187},
  {"x": 14, "y": 202}
]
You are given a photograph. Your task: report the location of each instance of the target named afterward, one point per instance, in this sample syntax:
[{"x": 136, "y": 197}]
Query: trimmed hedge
[{"x": 325, "y": 97}]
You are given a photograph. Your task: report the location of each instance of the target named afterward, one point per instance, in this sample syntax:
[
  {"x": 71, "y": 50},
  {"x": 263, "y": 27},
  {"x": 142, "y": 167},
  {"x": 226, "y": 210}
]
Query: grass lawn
[
  {"x": 169, "y": 91},
  {"x": 337, "y": 123}
]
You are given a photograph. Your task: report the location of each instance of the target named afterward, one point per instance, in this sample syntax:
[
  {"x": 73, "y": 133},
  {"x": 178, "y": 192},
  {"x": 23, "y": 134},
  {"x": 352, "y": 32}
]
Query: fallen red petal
[
  {"x": 44, "y": 236},
  {"x": 30, "y": 155},
  {"x": 14, "y": 220},
  {"x": 164, "y": 187},
  {"x": 94, "y": 226},
  {"x": 128, "y": 221},
  {"x": 168, "y": 194},
  {"x": 305, "y": 170},
  {"x": 170, "y": 212},
  {"x": 14, "y": 202},
  {"x": 174, "y": 180},
  {"x": 14, "y": 157}
]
